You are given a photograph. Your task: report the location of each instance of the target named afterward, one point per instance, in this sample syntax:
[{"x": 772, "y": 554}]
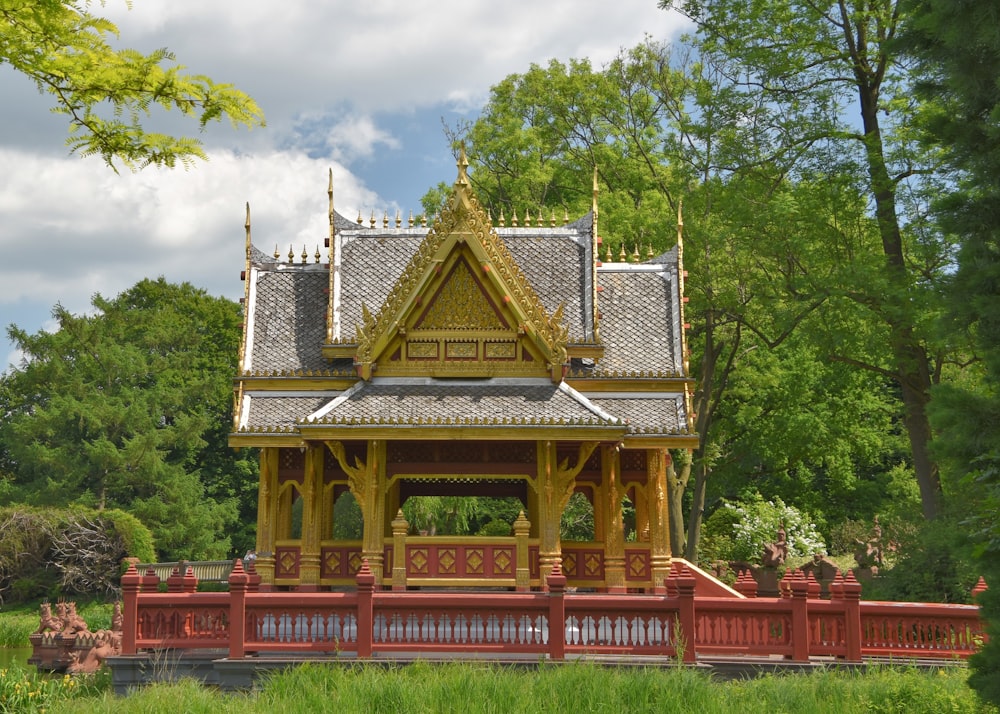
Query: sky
[{"x": 359, "y": 88}]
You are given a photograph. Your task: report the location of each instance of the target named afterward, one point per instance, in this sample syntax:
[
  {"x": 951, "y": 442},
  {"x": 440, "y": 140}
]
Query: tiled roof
[
  {"x": 663, "y": 414},
  {"x": 414, "y": 402},
  {"x": 289, "y": 323},
  {"x": 556, "y": 265},
  {"x": 280, "y": 410},
  {"x": 638, "y": 321},
  {"x": 639, "y": 326},
  {"x": 371, "y": 263}
]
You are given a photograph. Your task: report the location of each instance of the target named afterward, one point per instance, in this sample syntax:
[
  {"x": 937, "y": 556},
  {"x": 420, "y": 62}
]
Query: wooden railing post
[
  {"x": 399, "y": 528},
  {"x": 557, "y": 612},
  {"x": 850, "y": 592},
  {"x": 522, "y": 577},
  {"x": 238, "y": 584},
  {"x": 131, "y": 581},
  {"x": 365, "y": 616},
  {"x": 799, "y": 587},
  {"x": 685, "y": 583}
]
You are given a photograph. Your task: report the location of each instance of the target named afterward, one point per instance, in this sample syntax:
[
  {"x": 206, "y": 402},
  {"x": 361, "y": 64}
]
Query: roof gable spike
[{"x": 411, "y": 219}]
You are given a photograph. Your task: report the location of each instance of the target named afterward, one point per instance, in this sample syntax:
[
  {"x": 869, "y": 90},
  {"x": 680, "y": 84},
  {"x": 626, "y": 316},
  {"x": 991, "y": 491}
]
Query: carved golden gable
[{"x": 462, "y": 307}]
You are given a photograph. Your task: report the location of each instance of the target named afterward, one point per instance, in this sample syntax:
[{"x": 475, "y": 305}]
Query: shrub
[
  {"x": 740, "y": 530},
  {"x": 51, "y": 552}
]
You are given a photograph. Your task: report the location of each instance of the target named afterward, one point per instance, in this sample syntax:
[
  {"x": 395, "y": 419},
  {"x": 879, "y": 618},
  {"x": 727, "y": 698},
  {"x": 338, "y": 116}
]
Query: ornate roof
[{"x": 537, "y": 278}]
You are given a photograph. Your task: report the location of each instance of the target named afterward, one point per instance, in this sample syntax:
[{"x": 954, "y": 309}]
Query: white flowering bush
[{"x": 740, "y": 530}]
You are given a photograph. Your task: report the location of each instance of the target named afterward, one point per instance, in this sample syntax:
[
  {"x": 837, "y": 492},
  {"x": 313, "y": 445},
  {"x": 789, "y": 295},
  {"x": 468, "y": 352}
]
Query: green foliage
[
  {"x": 107, "y": 93},
  {"x": 129, "y": 408},
  {"x": 932, "y": 563},
  {"x": 739, "y": 531},
  {"x": 136, "y": 538},
  {"x": 52, "y": 552}
]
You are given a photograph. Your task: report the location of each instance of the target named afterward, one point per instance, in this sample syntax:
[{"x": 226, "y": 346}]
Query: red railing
[{"x": 553, "y": 623}]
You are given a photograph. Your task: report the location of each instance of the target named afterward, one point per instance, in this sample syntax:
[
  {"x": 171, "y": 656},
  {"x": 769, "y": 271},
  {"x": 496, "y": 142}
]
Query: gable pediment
[{"x": 462, "y": 307}]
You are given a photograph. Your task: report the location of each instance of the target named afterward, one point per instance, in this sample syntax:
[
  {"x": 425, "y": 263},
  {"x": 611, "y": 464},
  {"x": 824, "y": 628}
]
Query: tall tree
[
  {"x": 830, "y": 96},
  {"x": 761, "y": 248},
  {"x": 106, "y": 92},
  {"x": 959, "y": 53},
  {"x": 129, "y": 408}
]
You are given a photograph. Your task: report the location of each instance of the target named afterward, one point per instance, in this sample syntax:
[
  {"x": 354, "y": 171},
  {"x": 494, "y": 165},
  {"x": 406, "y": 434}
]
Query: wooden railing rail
[{"x": 552, "y": 623}]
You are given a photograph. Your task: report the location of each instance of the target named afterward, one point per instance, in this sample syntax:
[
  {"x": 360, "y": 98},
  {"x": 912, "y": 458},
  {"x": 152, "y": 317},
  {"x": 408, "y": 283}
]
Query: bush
[
  {"x": 740, "y": 530},
  {"x": 932, "y": 564},
  {"x": 47, "y": 553}
]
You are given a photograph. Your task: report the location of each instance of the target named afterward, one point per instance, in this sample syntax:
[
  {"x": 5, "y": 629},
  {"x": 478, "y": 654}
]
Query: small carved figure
[
  {"x": 48, "y": 621},
  {"x": 776, "y": 553},
  {"x": 117, "y": 619},
  {"x": 72, "y": 623}
]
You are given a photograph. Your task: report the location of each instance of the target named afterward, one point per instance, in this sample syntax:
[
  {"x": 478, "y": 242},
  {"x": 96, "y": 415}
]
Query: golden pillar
[
  {"x": 367, "y": 482},
  {"x": 555, "y": 483},
  {"x": 312, "y": 518},
  {"x": 614, "y": 538},
  {"x": 267, "y": 514},
  {"x": 657, "y": 461}
]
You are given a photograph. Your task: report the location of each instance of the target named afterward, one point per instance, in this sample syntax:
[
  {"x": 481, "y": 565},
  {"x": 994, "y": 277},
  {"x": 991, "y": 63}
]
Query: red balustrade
[{"x": 553, "y": 623}]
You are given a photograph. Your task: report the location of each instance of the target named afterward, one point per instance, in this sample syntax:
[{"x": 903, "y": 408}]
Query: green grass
[{"x": 571, "y": 688}]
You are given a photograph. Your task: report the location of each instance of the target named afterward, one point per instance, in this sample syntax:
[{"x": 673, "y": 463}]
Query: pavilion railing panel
[
  {"x": 920, "y": 629},
  {"x": 621, "y": 624},
  {"x": 548, "y": 623},
  {"x": 726, "y": 626}
]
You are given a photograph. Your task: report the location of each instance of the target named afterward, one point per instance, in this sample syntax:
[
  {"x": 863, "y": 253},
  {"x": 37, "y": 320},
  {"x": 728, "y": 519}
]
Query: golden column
[
  {"x": 614, "y": 537},
  {"x": 367, "y": 482},
  {"x": 555, "y": 483},
  {"x": 267, "y": 514},
  {"x": 657, "y": 461},
  {"x": 312, "y": 518}
]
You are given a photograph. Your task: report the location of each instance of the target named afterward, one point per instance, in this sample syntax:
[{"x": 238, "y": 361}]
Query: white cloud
[{"x": 332, "y": 78}]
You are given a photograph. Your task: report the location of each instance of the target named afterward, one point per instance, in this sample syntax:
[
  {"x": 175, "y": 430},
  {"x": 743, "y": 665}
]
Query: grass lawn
[{"x": 471, "y": 688}]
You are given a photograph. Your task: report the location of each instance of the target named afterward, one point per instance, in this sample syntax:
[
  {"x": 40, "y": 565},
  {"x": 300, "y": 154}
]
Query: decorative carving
[
  {"x": 461, "y": 350},
  {"x": 422, "y": 350},
  {"x": 461, "y": 305},
  {"x": 500, "y": 350}
]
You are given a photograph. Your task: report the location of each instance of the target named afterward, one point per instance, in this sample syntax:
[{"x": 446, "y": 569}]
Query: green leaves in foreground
[{"x": 107, "y": 92}]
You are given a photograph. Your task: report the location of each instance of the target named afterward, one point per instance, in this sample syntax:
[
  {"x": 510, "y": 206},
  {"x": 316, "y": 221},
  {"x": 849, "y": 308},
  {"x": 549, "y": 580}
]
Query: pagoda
[{"x": 462, "y": 357}]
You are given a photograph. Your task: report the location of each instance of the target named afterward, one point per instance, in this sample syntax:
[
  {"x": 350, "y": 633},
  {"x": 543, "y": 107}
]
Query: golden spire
[
  {"x": 291, "y": 253},
  {"x": 305, "y": 254},
  {"x": 371, "y": 221},
  {"x": 463, "y": 168},
  {"x": 361, "y": 221},
  {"x": 385, "y": 218},
  {"x": 399, "y": 219},
  {"x": 503, "y": 221},
  {"x": 513, "y": 217},
  {"x": 411, "y": 219},
  {"x": 331, "y": 235},
  {"x": 276, "y": 253}
]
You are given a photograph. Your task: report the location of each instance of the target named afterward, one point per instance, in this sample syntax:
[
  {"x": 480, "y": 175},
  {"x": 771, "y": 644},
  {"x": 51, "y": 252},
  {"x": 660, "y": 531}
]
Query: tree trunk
[
  {"x": 909, "y": 356},
  {"x": 676, "y": 484}
]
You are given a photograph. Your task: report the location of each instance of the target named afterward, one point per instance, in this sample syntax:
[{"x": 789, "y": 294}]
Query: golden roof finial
[
  {"x": 411, "y": 219},
  {"x": 423, "y": 219},
  {"x": 552, "y": 219},
  {"x": 503, "y": 221},
  {"x": 541, "y": 221},
  {"x": 621, "y": 253},
  {"x": 276, "y": 253},
  {"x": 361, "y": 220},
  {"x": 608, "y": 257},
  {"x": 513, "y": 217},
  {"x": 385, "y": 218},
  {"x": 291, "y": 253},
  {"x": 247, "y": 226},
  {"x": 649, "y": 250},
  {"x": 399, "y": 219},
  {"x": 317, "y": 255},
  {"x": 635, "y": 253},
  {"x": 371, "y": 221},
  {"x": 463, "y": 166},
  {"x": 305, "y": 254}
]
